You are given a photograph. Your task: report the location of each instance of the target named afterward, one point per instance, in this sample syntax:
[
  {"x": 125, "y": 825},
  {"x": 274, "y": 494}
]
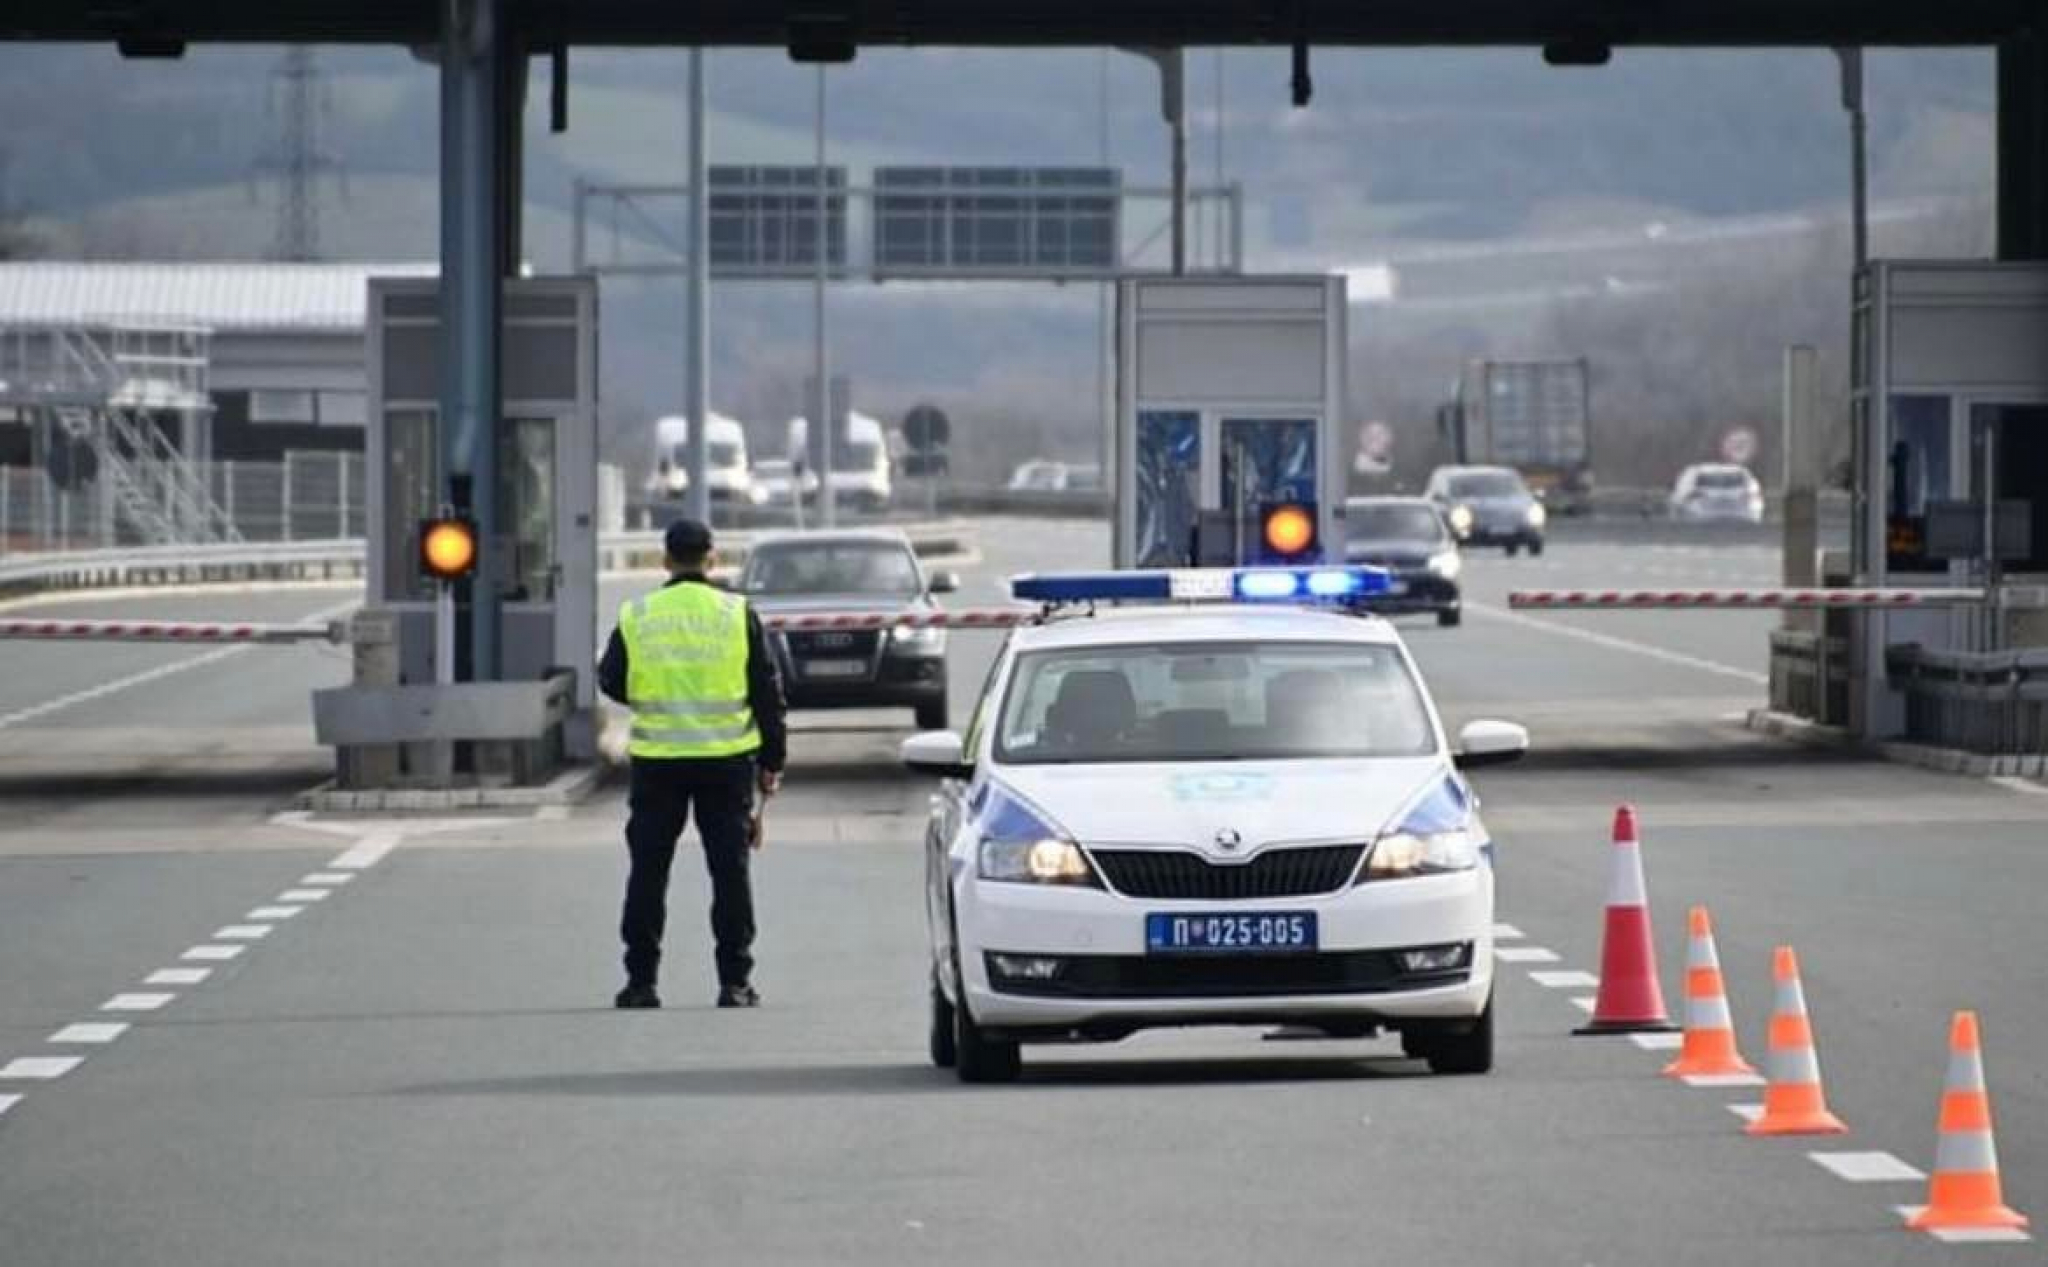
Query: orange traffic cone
[
  {"x": 1793, "y": 1102},
  {"x": 1964, "y": 1191},
  {"x": 1709, "y": 1050},
  {"x": 1630, "y": 1000}
]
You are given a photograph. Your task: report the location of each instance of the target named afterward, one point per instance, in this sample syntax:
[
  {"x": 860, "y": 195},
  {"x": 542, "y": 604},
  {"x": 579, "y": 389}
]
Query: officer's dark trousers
[{"x": 664, "y": 792}]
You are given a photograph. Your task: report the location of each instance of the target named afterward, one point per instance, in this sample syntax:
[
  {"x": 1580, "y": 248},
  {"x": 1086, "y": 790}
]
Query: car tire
[
  {"x": 979, "y": 1058},
  {"x": 932, "y": 714},
  {"x": 945, "y": 1051},
  {"x": 1512, "y": 548},
  {"x": 1469, "y": 1052},
  {"x": 1449, "y": 617},
  {"x": 1536, "y": 547}
]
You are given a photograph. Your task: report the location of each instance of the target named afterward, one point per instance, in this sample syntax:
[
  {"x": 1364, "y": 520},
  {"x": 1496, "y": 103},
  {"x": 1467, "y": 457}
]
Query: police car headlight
[
  {"x": 917, "y": 641},
  {"x": 1536, "y": 515},
  {"x": 1402, "y": 853},
  {"x": 1461, "y": 520},
  {"x": 1447, "y": 564},
  {"x": 1035, "y": 862}
]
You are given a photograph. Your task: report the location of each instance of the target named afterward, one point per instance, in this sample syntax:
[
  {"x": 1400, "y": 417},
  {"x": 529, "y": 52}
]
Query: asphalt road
[{"x": 421, "y": 1066}]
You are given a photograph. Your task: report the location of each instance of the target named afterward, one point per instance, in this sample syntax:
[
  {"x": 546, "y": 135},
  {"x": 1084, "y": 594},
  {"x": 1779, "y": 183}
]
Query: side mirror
[
  {"x": 1483, "y": 743},
  {"x": 938, "y": 753},
  {"x": 943, "y": 582}
]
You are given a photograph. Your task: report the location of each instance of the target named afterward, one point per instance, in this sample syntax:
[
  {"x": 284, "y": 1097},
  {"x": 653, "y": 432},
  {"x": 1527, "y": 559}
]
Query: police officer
[{"x": 708, "y": 733}]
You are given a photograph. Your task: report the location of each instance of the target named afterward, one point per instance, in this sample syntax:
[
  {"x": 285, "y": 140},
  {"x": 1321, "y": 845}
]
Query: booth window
[
  {"x": 411, "y": 447},
  {"x": 1167, "y": 476},
  {"x": 280, "y": 406},
  {"x": 1916, "y": 472}
]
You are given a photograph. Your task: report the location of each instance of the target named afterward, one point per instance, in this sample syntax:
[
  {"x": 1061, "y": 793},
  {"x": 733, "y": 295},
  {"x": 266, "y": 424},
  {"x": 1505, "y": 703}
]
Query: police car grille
[{"x": 1178, "y": 874}]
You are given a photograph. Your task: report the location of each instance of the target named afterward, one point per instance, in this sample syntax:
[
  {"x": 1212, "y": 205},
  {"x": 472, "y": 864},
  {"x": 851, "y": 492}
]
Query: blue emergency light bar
[{"x": 1302, "y": 585}]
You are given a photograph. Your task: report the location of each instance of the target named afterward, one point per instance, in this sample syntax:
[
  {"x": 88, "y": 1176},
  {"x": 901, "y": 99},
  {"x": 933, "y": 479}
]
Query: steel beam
[{"x": 2023, "y": 148}]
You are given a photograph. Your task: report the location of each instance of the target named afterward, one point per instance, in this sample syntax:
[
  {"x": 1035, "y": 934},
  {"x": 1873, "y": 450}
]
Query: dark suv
[{"x": 790, "y": 574}]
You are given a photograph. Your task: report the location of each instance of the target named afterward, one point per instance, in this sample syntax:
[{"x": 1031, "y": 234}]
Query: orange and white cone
[
  {"x": 1794, "y": 1103},
  {"x": 1964, "y": 1192},
  {"x": 1630, "y": 1000},
  {"x": 1709, "y": 1050}
]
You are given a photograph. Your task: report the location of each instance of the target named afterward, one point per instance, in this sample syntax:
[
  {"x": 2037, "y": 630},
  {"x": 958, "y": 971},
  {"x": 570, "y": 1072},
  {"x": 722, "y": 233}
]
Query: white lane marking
[
  {"x": 242, "y": 932},
  {"x": 212, "y": 954},
  {"x": 304, "y": 895},
  {"x": 367, "y": 852},
  {"x": 147, "y": 676},
  {"x": 326, "y": 877},
  {"x": 1967, "y": 1235},
  {"x": 1747, "y": 1112},
  {"x": 7, "y": 1102},
  {"x": 1585, "y": 1002},
  {"x": 1612, "y": 643},
  {"x": 1524, "y": 954},
  {"x": 551, "y": 814},
  {"x": 139, "y": 1001},
  {"x": 274, "y": 912},
  {"x": 40, "y": 1068},
  {"x": 177, "y": 976},
  {"x": 90, "y": 1032},
  {"x": 2012, "y": 783},
  {"x": 1567, "y": 980},
  {"x": 1873, "y": 1167},
  {"x": 1506, "y": 932},
  {"x": 1658, "y": 1042},
  {"x": 1723, "y": 1080}
]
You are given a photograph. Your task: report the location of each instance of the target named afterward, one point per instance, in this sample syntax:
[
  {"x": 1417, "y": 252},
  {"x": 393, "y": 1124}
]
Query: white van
[
  {"x": 860, "y": 462},
  {"x": 725, "y": 470}
]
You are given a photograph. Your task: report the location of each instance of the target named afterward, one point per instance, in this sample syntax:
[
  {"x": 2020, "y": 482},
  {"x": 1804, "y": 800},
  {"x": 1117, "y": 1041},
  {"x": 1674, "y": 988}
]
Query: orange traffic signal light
[
  {"x": 1288, "y": 531},
  {"x": 447, "y": 547}
]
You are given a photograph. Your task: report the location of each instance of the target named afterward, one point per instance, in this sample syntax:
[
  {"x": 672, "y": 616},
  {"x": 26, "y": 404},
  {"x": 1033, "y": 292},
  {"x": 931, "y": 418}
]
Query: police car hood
[{"x": 1203, "y": 805}]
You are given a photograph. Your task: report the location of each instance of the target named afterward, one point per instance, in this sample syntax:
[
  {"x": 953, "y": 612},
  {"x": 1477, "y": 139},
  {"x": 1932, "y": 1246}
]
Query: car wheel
[
  {"x": 1462, "y": 1053},
  {"x": 932, "y": 714},
  {"x": 1449, "y": 617},
  {"x": 1512, "y": 548},
  {"x": 1536, "y": 547},
  {"x": 980, "y": 1058},
  {"x": 945, "y": 1053}
]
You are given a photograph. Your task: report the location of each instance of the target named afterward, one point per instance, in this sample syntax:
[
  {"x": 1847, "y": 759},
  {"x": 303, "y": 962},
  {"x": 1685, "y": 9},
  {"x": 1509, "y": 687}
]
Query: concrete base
[
  {"x": 1945, "y": 760},
  {"x": 571, "y": 787}
]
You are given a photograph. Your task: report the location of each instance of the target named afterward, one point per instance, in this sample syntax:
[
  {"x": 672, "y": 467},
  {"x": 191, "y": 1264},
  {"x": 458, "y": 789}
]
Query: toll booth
[
  {"x": 1229, "y": 401},
  {"x": 546, "y": 472},
  {"x": 1950, "y": 401}
]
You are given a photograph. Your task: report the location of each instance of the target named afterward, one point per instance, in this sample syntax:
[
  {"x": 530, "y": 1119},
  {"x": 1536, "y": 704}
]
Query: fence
[{"x": 311, "y": 496}]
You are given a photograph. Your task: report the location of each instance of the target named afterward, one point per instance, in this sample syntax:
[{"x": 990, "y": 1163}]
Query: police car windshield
[
  {"x": 1488, "y": 484},
  {"x": 1212, "y": 702},
  {"x": 840, "y": 567}
]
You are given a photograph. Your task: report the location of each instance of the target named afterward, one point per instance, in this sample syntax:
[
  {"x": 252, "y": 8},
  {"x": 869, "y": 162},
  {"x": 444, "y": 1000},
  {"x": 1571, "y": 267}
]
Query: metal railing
[
  {"x": 1991, "y": 703},
  {"x": 309, "y": 496}
]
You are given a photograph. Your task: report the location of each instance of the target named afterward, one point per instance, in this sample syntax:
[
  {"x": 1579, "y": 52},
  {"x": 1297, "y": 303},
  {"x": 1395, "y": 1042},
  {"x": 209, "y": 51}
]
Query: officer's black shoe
[
  {"x": 739, "y": 996},
  {"x": 636, "y": 996}
]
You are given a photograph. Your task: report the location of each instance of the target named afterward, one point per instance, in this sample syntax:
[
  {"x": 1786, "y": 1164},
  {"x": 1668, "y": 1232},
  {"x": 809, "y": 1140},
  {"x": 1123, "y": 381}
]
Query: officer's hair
[{"x": 690, "y": 562}]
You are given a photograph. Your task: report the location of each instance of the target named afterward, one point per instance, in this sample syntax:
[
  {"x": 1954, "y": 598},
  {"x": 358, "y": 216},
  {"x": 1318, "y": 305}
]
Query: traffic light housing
[
  {"x": 1288, "y": 533},
  {"x": 448, "y": 547}
]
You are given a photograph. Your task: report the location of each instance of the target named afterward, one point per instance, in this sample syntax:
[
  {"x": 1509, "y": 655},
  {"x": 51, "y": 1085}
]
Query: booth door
[{"x": 1263, "y": 462}]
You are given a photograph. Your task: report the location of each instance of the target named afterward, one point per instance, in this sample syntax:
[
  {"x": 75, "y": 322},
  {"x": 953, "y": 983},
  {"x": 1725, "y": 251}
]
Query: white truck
[
  {"x": 726, "y": 471},
  {"x": 861, "y": 469}
]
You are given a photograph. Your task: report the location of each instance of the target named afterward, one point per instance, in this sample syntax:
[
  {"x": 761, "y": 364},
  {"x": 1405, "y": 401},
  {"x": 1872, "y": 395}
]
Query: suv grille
[
  {"x": 1179, "y": 874},
  {"x": 827, "y": 644}
]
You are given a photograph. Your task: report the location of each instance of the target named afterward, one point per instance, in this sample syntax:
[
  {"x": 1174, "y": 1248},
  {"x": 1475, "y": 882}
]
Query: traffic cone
[
  {"x": 1630, "y": 1000},
  {"x": 1794, "y": 1103},
  {"x": 1709, "y": 1049},
  {"x": 1964, "y": 1191}
]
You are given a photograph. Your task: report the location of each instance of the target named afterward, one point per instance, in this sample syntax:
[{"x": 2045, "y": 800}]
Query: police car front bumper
[{"x": 1106, "y": 984}]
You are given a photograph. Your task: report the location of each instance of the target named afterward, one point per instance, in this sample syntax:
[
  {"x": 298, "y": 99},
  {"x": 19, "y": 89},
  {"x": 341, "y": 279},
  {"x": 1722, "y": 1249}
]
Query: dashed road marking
[
  {"x": 2013, "y": 783},
  {"x": 1967, "y": 1235},
  {"x": 1524, "y": 954},
  {"x": 1658, "y": 1042},
  {"x": 243, "y": 932},
  {"x": 40, "y": 1068},
  {"x": 1506, "y": 932},
  {"x": 1585, "y": 1002},
  {"x": 213, "y": 954},
  {"x": 177, "y": 976},
  {"x": 7, "y": 1102},
  {"x": 1570, "y": 979},
  {"x": 1747, "y": 1112},
  {"x": 1723, "y": 1080},
  {"x": 274, "y": 912},
  {"x": 304, "y": 895},
  {"x": 139, "y": 1001},
  {"x": 1867, "y": 1167},
  {"x": 326, "y": 877},
  {"x": 90, "y": 1032},
  {"x": 366, "y": 852}
]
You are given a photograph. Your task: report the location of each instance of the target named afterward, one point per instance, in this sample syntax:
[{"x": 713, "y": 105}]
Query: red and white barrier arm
[
  {"x": 954, "y": 618},
  {"x": 1745, "y": 598},
  {"x": 167, "y": 631}
]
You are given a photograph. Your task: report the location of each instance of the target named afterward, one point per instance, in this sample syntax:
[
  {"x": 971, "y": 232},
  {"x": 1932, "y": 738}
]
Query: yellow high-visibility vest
[{"x": 686, "y": 673}]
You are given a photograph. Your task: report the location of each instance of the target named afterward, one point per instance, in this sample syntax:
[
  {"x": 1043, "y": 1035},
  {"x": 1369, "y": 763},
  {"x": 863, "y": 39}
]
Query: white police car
[{"x": 1228, "y": 808}]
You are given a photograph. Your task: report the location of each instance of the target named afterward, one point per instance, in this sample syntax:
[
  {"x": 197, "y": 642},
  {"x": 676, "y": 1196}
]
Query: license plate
[
  {"x": 835, "y": 668},
  {"x": 1253, "y": 932}
]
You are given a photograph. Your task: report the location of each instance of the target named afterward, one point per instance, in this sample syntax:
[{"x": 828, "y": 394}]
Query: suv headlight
[
  {"x": 1447, "y": 564},
  {"x": 1535, "y": 515},
  {"x": 916, "y": 640},
  {"x": 1400, "y": 854},
  {"x": 1046, "y": 861}
]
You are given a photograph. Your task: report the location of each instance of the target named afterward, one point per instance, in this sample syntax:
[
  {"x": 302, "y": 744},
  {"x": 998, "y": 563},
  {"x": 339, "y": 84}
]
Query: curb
[
  {"x": 571, "y": 787},
  {"x": 1801, "y": 730}
]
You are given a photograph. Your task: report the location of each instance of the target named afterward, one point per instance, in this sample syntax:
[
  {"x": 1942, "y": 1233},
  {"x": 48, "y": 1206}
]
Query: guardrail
[
  {"x": 327, "y": 560},
  {"x": 1809, "y": 675},
  {"x": 1993, "y": 703}
]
